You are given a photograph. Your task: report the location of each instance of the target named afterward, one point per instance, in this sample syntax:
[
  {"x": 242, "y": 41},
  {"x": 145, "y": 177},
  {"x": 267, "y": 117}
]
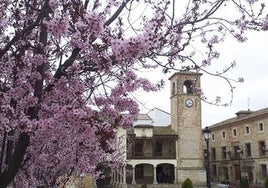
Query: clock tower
[{"x": 186, "y": 121}]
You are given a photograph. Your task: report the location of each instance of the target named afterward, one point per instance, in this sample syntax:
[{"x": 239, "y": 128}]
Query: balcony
[
  {"x": 151, "y": 155},
  {"x": 151, "y": 148}
]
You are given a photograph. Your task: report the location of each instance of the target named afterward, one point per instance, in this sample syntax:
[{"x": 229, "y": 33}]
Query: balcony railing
[{"x": 150, "y": 155}]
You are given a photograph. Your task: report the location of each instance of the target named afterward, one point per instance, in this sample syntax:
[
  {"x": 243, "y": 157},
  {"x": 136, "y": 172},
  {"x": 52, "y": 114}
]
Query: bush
[
  {"x": 244, "y": 182},
  {"x": 266, "y": 182},
  {"x": 187, "y": 184}
]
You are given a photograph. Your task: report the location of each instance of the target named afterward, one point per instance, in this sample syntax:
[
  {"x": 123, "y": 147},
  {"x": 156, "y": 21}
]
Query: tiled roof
[
  {"x": 143, "y": 126},
  {"x": 164, "y": 130},
  {"x": 253, "y": 114}
]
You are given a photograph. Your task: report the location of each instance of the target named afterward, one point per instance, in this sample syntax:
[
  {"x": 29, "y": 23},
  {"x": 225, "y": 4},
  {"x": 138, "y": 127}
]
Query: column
[
  {"x": 124, "y": 174},
  {"x": 112, "y": 178},
  {"x": 174, "y": 149},
  {"x": 155, "y": 180},
  {"x": 121, "y": 175},
  {"x": 124, "y": 185},
  {"x": 175, "y": 175},
  {"x": 133, "y": 175},
  {"x": 117, "y": 177}
]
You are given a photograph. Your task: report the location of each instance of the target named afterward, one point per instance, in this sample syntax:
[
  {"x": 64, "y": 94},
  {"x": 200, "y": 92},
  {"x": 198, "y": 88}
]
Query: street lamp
[{"x": 207, "y": 135}]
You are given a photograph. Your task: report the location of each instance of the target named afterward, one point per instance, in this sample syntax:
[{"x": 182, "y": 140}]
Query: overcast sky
[{"x": 251, "y": 58}]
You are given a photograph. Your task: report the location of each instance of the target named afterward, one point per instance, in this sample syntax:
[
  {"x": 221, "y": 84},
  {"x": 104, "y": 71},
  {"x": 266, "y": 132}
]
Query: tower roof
[{"x": 185, "y": 73}]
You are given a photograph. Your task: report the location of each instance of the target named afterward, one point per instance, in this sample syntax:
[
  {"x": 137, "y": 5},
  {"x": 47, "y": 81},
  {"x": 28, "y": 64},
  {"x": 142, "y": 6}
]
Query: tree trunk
[{"x": 15, "y": 162}]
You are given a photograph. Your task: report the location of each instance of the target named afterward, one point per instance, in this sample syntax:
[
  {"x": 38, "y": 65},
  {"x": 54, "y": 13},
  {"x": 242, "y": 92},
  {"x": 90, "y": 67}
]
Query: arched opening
[
  {"x": 188, "y": 87},
  {"x": 144, "y": 173},
  {"x": 165, "y": 173}
]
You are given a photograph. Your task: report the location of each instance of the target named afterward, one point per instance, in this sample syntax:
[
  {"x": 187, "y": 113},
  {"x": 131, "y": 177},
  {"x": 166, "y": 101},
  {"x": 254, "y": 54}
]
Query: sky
[{"x": 252, "y": 64}]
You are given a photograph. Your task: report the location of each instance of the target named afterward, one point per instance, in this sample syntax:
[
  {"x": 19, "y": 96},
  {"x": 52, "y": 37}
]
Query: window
[
  {"x": 158, "y": 148},
  {"x": 223, "y": 152},
  {"x": 261, "y": 148},
  {"x": 212, "y": 136},
  {"x": 173, "y": 92},
  {"x": 263, "y": 170},
  {"x": 223, "y": 134},
  {"x": 234, "y": 133},
  {"x": 138, "y": 148},
  {"x": 213, "y": 154},
  {"x": 248, "y": 149},
  {"x": 247, "y": 131},
  {"x": 261, "y": 127},
  {"x": 237, "y": 151},
  {"x": 214, "y": 170}
]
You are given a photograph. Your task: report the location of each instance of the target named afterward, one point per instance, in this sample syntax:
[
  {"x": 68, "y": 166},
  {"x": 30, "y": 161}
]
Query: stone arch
[
  {"x": 144, "y": 173},
  {"x": 188, "y": 87},
  {"x": 165, "y": 173}
]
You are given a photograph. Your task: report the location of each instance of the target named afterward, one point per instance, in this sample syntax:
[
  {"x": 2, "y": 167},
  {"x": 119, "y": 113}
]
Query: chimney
[{"x": 243, "y": 113}]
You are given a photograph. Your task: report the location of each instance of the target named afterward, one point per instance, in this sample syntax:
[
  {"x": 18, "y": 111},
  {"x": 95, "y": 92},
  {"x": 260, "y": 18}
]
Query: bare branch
[{"x": 117, "y": 13}]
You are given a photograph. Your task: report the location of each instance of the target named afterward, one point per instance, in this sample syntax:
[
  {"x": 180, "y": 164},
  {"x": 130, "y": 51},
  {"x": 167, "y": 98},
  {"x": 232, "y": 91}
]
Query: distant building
[
  {"x": 168, "y": 148},
  {"x": 160, "y": 117},
  {"x": 155, "y": 117},
  {"x": 163, "y": 147},
  {"x": 238, "y": 147}
]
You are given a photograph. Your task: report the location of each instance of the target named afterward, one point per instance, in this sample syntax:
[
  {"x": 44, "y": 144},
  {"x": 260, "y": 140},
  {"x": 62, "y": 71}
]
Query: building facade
[
  {"x": 162, "y": 147},
  {"x": 238, "y": 147}
]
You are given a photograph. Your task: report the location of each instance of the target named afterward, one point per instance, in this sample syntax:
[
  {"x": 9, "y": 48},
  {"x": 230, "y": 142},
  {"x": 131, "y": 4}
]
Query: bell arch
[{"x": 188, "y": 87}]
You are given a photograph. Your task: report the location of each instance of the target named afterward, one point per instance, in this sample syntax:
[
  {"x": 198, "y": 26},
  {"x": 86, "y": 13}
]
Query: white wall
[{"x": 160, "y": 117}]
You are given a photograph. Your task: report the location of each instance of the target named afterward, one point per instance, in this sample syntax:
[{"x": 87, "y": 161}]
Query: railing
[{"x": 150, "y": 155}]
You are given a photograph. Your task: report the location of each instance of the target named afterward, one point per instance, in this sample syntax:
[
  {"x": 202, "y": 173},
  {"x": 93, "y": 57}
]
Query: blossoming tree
[{"x": 68, "y": 68}]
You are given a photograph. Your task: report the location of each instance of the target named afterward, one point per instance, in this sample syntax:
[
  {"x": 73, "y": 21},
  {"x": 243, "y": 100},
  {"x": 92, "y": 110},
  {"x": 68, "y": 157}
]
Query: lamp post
[{"x": 207, "y": 134}]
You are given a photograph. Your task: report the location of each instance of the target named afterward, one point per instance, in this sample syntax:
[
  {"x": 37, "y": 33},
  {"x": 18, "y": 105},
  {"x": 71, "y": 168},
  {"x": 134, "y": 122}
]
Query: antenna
[{"x": 248, "y": 104}]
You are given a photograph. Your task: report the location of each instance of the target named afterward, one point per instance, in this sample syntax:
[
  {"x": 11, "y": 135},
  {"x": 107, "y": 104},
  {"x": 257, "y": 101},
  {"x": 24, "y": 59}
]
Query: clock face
[{"x": 189, "y": 102}]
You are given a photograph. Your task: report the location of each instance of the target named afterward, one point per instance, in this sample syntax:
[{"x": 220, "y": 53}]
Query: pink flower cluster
[
  {"x": 87, "y": 29},
  {"x": 129, "y": 49},
  {"x": 57, "y": 26}
]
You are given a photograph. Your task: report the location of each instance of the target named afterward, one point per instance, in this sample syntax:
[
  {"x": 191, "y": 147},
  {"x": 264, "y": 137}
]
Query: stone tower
[{"x": 186, "y": 121}]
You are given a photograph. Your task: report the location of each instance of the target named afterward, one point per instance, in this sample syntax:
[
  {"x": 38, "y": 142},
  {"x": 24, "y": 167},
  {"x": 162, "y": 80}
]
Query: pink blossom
[
  {"x": 57, "y": 26},
  {"x": 129, "y": 49}
]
